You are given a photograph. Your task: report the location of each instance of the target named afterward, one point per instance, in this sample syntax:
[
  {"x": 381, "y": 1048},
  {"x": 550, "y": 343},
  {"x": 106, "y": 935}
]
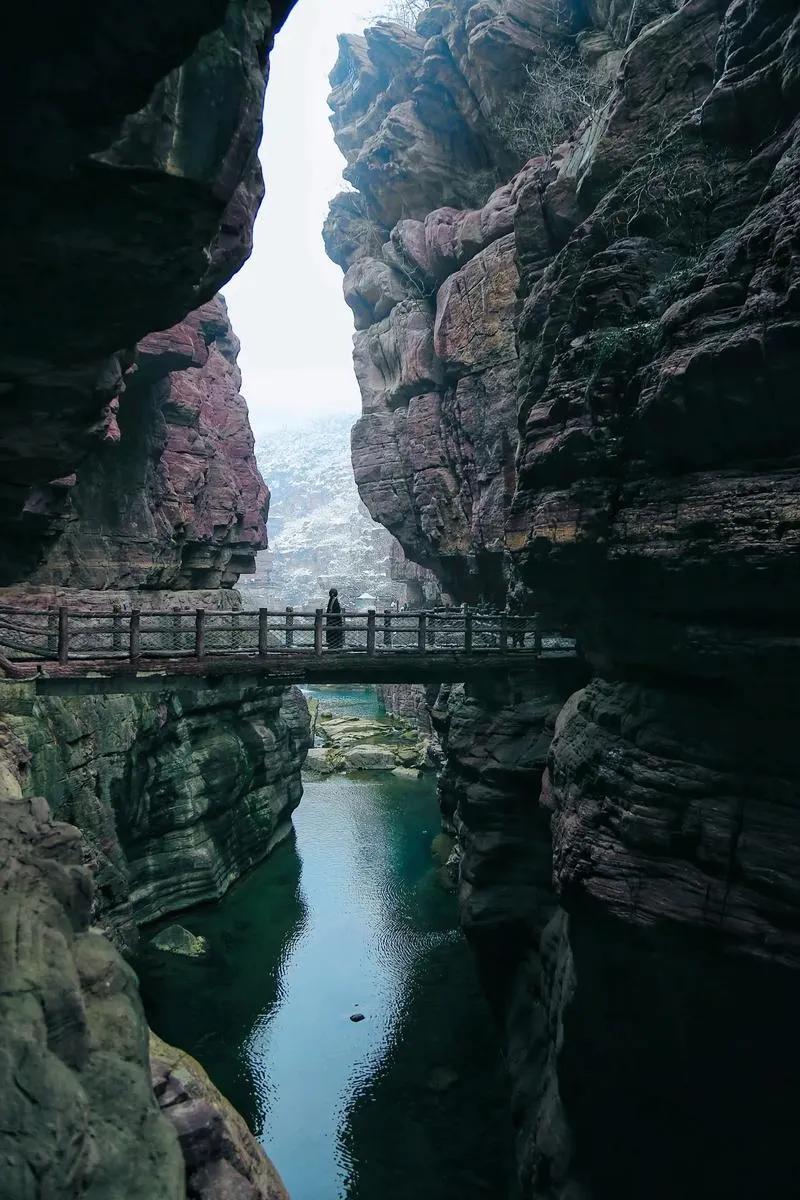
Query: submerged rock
[
  {"x": 176, "y": 939},
  {"x": 356, "y": 1017},
  {"x": 441, "y": 1079}
]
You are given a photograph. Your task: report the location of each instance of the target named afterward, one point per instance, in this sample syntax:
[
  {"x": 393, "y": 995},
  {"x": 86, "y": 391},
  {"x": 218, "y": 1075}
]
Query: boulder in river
[
  {"x": 175, "y": 939},
  {"x": 370, "y": 758},
  {"x": 318, "y": 761}
]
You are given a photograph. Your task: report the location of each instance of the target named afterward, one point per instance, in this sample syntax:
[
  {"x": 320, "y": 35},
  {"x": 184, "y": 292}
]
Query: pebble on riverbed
[{"x": 357, "y": 1017}]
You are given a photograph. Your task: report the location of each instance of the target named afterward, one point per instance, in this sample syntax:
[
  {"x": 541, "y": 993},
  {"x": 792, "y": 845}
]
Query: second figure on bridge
[{"x": 334, "y": 633}]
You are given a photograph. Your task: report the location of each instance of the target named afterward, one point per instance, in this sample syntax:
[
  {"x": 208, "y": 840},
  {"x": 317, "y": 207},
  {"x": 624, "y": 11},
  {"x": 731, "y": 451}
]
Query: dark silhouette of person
[
  {"x": 515, "y": 605},
  {"x": 334, "y": 633}
]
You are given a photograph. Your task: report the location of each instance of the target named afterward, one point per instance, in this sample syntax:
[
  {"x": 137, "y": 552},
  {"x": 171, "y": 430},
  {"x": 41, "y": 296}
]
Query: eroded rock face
[
  {"x": 654, "y": 513},
  {"x": 428, "y": 248},
  {"x": 130, "y": 181},
  {"x": 129, "y": 192},
  {"x": 176, "y": 795},
  {"x": 173, "y": 498},
  {"x": 74, "y": 1064},
  {"x": 410, "y": 700},
  {"x": 496, "y": 740},
  {"x": 223, "y": 1159},
  {"x": 433, "y": 454}
]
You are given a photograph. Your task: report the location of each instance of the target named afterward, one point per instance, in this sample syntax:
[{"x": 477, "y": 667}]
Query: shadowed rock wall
[
  {"x": 130, "y": 184},
  {"x": 176, "y": 795},
  {"x": 625, "y": 308},
  {"x": 130, "y": 181}
]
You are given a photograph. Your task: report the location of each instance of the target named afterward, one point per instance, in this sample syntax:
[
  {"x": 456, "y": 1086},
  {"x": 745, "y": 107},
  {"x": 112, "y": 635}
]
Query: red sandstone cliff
[
  {"x": 173, "y": 497},
  {"x": 622, "y": 311}
]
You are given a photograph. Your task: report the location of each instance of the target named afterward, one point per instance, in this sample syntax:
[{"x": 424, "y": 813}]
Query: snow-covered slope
[{"x": 320, "y": 533}]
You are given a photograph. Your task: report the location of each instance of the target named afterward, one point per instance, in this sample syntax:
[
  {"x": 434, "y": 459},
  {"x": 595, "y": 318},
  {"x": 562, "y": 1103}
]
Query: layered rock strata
[
  {"x": 173, "y": 497},
  {"x": 223, "y": 1159},
  {"x": 432, "y": 286},
  {"x": 176, "y": 794},
  {"x": 130, "y": 184},
  {"x": 647, "y": 272},
  {"x": 79, "y": 1114},
  {"x": 409, "y": 700},
  {"x": 495, "y": 740}
]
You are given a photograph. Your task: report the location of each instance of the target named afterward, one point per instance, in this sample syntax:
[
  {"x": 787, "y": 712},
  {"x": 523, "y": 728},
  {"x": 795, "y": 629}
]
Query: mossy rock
[{"x": 175, "y": 939}]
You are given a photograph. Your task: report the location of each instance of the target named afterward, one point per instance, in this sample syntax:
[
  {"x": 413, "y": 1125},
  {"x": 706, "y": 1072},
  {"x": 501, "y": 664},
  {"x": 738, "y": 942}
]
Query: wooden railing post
[
  {"x": 52, "y": 632},
  {"x": 63, "y": 635},
  {"x": 135, "y": 634},
  {"x": 116, "y": 629},
  {"x": 387, "y": 627},
  {"x": 503, "y": 633},
  {"x": 175, "y": 626},
  {"x": 200, "y": 633},
  {"x": 467, "y": 629},
  {"x": 431, "y": 631},
  {"x": 370, "y": 631},
  {"x": 318, "y": 631},
  {"x": 289, "y": 626},
  {"x": 537, "y": 639},
  {"x": 263, "y": 631},
  {"x": 422, "y": 633}
]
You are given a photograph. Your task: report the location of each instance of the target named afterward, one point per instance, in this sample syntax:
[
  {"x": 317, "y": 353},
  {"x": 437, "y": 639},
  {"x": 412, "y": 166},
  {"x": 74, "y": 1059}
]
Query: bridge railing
[{"x": 73, "y": 635}]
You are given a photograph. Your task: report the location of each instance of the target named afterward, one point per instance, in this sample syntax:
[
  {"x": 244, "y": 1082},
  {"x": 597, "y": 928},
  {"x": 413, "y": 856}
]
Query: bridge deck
[{"x": 72, "y": 652}]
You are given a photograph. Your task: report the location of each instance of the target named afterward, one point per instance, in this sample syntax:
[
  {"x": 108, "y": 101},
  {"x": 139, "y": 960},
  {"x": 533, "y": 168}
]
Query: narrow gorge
[
  {"x": 570, "y": 240},
  {"x": 570, "y": 249}
]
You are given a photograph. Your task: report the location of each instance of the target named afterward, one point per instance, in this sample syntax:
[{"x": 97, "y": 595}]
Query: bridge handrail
[{"x": 60, "y": 634}]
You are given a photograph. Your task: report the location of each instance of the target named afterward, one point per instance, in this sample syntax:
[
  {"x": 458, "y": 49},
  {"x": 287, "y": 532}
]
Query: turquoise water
[{"x": 350, "y": 917}]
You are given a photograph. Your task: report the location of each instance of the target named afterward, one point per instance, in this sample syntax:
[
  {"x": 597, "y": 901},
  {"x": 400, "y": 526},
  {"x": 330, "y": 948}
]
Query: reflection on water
[{"x": 408, "y": 1102}]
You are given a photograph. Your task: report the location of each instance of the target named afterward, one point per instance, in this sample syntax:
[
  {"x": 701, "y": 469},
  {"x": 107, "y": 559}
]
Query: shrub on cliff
[
  {"x": 560, "y": 93},
  {"x": 402, "y": 12},
  {"x": 672, "y": 190}
]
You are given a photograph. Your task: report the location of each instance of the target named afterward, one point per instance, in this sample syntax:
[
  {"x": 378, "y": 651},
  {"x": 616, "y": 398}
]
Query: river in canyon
[{"x": 347, "y": 917}]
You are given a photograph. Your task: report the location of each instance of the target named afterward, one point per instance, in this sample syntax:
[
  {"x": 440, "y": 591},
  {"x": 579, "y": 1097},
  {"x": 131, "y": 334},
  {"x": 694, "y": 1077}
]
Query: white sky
[{"x": 286, "y": 303}]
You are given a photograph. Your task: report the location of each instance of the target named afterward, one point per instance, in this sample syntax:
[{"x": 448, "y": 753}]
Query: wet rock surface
[
  {"x": 223, "y": 1159},
  {"x": 176, "y": 795}
]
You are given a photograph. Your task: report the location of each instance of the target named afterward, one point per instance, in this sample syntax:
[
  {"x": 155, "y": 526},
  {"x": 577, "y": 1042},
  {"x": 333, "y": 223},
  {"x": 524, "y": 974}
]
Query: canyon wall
[
  {"x": 128, "y": 199},
  {"x": 579, "y": 384},
  {"x": 172, "y": 497},
  {"x": 130, "y": 185},
  {"x": 176, "y": 794}
]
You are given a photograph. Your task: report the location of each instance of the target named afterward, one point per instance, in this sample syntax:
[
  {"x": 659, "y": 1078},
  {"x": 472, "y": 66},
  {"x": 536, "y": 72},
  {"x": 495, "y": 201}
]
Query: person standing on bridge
[
  {"x": 515, "y": 605},
  {"x": 334, "y": 633}
]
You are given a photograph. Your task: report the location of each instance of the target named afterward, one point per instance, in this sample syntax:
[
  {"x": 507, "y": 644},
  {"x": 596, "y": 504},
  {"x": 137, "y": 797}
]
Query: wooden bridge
[{"x": 73, "y": 651}]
